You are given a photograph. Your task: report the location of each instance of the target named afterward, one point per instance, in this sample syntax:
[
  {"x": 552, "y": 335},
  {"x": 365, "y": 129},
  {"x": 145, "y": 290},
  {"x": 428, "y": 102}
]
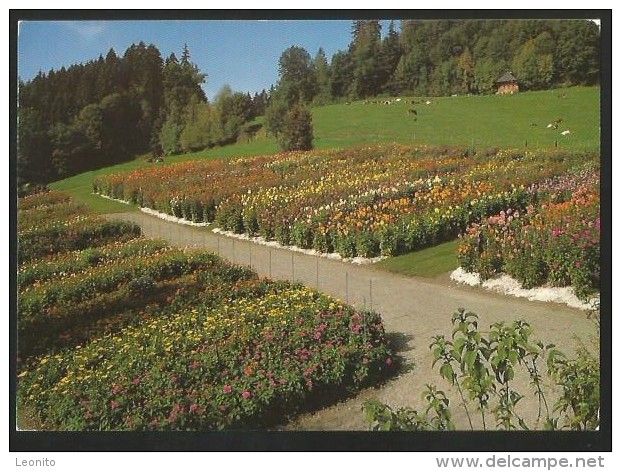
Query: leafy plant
[
  {"x": 579, "y": 379},
  {"x": 483, "y": 367}
]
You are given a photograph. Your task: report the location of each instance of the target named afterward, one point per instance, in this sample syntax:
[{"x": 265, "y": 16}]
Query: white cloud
[{"x": 87, "y": 30}]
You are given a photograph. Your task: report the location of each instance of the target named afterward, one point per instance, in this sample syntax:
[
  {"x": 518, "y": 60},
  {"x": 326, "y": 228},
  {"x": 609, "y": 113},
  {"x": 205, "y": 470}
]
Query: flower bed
[
  {"x": 77, "y": 233},
  {"x": 242, "y": 363},
  {"x": 50, "y": 223},
  {"x": 70, "y": 263},
  {"x": 366, "y": 202},
  {"x": 132, "y": 335},
  {"x": 556, "y": 242},
  {"x": 54, "y": 298}
]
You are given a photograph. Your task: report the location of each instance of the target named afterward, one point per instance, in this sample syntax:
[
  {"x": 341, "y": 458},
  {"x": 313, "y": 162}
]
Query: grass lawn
[
  {"x": 476, "y": 121},
  {"x": 428, "y": 263}
]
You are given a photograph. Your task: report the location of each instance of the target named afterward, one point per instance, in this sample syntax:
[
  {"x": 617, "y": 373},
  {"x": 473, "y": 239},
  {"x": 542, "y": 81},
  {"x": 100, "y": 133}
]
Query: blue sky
[{"x": 241, "y": 53}]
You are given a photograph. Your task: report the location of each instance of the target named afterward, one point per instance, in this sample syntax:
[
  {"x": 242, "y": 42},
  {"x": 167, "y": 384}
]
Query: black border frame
[{"x": 327, "y": 441}]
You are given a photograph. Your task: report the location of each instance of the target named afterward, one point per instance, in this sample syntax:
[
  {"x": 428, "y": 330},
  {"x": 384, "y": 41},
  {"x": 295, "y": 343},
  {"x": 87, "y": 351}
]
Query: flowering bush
[{"x": 556, "y": 242}]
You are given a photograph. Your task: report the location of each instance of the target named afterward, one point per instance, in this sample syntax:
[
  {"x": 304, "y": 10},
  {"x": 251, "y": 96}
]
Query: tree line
[{"x": 105, "y": 111}]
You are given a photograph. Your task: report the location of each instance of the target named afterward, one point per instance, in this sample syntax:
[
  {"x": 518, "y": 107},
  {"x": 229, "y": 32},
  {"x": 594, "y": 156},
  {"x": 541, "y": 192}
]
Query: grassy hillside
[{"x": 475, "y": 121}]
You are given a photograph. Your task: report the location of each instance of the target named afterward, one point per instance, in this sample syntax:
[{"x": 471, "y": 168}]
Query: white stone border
[
  {"x": 164, "y": 216},
  {"x": 293, "y": 248},
  {"x": 112, "y": 199},
  {"x": 256, "y": 240},
  {"x": 168, "y": 217},
  {"x": 506, "y": 285}
]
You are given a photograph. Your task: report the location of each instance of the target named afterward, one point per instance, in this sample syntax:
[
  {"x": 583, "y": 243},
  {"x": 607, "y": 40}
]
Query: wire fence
[{"x": 348, "y": 282}]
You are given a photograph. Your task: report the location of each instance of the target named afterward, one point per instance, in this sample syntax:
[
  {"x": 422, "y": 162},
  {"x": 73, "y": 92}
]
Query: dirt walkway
[{"x": 413, "y": 309}]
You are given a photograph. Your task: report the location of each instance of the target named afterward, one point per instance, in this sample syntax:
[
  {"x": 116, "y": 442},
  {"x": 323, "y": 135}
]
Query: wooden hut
[{"x": 507, "y": 84}]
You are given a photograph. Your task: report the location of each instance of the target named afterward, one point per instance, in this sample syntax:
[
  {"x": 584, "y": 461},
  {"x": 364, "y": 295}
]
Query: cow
[{"x": 412, "y": 111}]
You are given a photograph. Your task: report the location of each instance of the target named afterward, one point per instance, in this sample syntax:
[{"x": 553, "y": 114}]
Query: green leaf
[
  {"x": 469, "y": 358},
  {"x": 513, "y": 357},
  {"x": 509, "y": 374},
  {"x": 446, "y": 371},
  {"x": 459, "y": 345}
]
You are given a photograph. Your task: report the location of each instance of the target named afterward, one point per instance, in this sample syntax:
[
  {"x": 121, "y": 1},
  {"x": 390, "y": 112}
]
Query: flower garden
[
  {"x": 555, "y": 241},
  {"x": 118, "y": 332},
  {"x": 532, "y": 215}
]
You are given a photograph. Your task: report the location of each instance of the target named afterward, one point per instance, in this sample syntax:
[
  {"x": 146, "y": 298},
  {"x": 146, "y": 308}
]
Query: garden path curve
[{"x": 413, "y": 309}]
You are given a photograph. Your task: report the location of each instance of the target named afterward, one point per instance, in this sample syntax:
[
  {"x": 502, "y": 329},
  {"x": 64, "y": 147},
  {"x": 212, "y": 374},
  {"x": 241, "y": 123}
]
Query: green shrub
[
  {"x": 297, "y": 133},
  {"x": 482, "y": 368}
]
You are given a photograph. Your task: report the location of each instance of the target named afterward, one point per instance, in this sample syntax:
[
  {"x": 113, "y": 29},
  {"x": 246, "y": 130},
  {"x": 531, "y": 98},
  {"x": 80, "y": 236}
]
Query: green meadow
[{"x": 479, "y": 121}]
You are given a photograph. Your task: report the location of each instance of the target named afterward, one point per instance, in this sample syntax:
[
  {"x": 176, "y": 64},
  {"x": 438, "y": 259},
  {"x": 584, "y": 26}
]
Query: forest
[{"x": 111, "y": 109}]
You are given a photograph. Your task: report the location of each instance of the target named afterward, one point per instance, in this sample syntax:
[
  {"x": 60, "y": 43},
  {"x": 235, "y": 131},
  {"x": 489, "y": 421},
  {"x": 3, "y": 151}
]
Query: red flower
[
  {"x": 227, "y": 389},
  {"x": 246, "y": 394}
]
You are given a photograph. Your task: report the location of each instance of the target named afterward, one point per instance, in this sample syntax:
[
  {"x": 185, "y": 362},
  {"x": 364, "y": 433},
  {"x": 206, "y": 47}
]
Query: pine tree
[
  {"x": 322, "y": 73},
  {"x": 366, "y": 57}
]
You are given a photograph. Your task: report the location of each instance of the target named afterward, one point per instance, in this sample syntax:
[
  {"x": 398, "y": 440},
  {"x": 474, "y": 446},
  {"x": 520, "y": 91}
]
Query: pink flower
[
  {"x": 116, "y": 389},
  {"x": 194, "y": 407},
  {"x": 114, "y": 405},
  {"x": 389, "y": 361},
  {"x": 246, "y": 394},
  {"x": 317, "y": 335},
  {"x": 227, "y": 389},
  {"x": 136, "y": 380}
]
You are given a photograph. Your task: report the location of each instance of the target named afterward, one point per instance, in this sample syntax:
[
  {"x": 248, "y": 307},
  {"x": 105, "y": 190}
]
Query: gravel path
[{"x": 413, "y": 309}]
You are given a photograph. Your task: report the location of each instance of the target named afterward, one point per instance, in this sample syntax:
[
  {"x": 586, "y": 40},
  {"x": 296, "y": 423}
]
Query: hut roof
[{"x": 507, "y": 77}]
